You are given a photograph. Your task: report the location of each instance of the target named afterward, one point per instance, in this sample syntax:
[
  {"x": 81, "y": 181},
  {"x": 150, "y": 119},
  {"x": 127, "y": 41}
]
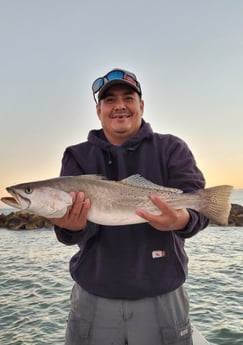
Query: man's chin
[{"x": 120, "y": 130}]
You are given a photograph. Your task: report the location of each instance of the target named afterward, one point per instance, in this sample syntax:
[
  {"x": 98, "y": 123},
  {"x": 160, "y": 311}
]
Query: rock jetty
[
  {"x": 236, "y": 215},
  {"x": 21, "y": 220}
]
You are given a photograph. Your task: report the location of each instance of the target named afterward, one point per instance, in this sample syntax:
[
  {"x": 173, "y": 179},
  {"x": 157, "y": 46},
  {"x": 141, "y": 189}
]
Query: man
[{"x": 129, "y": 279}]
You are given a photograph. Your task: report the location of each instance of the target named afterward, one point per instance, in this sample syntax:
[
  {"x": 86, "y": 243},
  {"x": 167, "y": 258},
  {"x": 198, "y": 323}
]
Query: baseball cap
[{"x": 115, "y": 77}]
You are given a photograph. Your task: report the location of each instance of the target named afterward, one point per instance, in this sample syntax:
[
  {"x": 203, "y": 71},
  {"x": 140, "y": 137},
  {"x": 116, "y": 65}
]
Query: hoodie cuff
[
  {"x": 68, "y": 237},
  {"x": 196, "y": 223}
]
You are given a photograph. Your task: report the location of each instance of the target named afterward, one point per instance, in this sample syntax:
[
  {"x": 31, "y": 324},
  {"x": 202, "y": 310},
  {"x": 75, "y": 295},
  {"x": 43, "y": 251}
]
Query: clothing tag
[{"x": 158, "y": 254}]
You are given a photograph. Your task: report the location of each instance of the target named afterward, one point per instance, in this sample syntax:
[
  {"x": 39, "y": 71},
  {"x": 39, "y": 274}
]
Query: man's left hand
[{"x": 169, "y": 219}]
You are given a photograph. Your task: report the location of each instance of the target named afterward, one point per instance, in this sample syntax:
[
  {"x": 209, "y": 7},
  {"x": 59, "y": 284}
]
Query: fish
[{"x": 116, "y": 202}]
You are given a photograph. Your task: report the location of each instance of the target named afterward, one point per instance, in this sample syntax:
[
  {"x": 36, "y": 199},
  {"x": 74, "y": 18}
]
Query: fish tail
[{"x": 217, "y": 203}]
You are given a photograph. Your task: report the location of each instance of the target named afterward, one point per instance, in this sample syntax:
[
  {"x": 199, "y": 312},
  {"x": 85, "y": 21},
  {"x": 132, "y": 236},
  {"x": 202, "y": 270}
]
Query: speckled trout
[{"x": 116, "y": 202}]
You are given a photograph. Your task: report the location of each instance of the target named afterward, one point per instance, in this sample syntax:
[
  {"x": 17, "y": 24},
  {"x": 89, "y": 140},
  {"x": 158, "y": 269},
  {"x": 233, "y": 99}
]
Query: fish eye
[{"x": 28, "y": 190}]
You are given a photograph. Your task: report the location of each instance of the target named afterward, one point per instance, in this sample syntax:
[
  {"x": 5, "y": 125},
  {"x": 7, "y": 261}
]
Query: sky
[{"x": 187, "y": 55}]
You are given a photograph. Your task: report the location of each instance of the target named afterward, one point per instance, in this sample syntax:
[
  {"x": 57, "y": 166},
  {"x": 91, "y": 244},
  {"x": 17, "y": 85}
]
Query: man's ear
[
  {"x": 98, "y": 110},
  {"x": 142, "y": 105}
]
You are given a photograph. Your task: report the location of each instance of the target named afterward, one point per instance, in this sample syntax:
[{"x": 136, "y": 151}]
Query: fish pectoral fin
[{"x": 56, "y": 214}]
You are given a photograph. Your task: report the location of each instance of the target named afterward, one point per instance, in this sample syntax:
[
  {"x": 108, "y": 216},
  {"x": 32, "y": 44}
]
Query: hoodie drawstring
[{"x": 109, "y": 158}]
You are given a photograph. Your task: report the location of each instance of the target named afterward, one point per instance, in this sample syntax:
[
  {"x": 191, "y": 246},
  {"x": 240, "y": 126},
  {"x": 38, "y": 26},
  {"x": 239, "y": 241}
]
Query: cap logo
[{"x": 130, "y": 79}]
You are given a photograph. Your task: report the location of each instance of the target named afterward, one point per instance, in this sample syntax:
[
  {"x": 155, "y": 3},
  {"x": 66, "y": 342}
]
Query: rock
[
  {"x": 15, "y": 223},
  {"x": 21, "y": 220},
  {"x": 236, "y": 215},
  {"x": 2, "y": 220}
]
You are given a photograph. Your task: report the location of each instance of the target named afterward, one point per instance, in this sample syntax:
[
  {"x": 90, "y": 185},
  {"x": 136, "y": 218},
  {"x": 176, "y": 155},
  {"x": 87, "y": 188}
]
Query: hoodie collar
[{"x": 97, "y": 137}]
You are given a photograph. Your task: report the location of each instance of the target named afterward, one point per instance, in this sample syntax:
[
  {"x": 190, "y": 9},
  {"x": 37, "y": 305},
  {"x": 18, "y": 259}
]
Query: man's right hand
[{"x": 75, "y": 218}]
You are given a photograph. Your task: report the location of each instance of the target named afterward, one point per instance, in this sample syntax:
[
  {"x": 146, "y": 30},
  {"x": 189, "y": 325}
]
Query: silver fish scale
[{"x": 110, "y": 195}]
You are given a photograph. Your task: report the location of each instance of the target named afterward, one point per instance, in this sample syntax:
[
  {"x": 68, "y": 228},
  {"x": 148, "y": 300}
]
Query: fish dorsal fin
[{"x": 140, "y": 181}]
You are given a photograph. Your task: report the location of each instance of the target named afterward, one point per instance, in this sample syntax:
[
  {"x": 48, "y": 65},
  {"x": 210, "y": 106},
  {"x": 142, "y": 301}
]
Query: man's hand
[
  {"x": 169, "y": 219},
  {"x": 75, "y": 218}
]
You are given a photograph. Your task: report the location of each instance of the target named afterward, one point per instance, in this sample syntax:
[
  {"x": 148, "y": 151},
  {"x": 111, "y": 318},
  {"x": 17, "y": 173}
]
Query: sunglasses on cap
[{"x": 102, "y": 84}]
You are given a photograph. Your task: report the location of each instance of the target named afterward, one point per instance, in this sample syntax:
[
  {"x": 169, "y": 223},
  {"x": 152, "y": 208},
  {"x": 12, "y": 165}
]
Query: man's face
[{"x": 120, "y": 112}]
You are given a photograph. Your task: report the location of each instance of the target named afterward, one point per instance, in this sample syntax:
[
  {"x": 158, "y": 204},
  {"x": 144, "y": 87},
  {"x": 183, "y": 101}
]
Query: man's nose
[{"x": 120, "y": 104}]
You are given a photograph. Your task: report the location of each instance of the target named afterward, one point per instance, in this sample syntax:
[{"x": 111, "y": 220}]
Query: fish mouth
[
  {"x": 10, "y": 201},
  {"x": 16, "y": 200}
]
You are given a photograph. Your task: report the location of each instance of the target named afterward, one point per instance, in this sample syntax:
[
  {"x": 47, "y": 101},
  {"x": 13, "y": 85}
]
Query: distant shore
[{"x": 21, "y": 220}]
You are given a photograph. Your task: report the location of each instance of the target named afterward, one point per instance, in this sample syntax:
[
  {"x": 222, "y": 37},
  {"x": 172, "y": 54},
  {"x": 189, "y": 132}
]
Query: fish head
[{"x": 42, "y": 200}]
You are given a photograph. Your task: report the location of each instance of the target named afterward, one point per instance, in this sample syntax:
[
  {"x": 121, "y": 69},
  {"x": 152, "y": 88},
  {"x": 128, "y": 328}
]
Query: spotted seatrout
[{"x": 116, "y": 202}]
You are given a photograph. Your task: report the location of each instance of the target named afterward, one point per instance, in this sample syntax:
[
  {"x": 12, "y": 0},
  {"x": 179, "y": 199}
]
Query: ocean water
[{"x": 35, "y": 285}]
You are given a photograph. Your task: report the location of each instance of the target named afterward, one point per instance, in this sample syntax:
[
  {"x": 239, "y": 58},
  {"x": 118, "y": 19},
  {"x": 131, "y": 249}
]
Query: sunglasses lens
[
  {"x": 115, "y": 75},
  {"x": 97, "y": 84}
]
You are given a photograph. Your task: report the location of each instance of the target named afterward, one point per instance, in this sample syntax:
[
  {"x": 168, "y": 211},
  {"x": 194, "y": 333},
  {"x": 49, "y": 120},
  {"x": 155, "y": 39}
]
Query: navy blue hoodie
[{"x": 134, "y": 261}]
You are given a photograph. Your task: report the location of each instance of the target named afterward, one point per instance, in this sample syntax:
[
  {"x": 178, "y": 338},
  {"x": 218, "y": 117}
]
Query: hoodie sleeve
[
  {"x": 76, "y": 237},
  {"x": 185, "y": 175},
  {"x": 70, "y": 167},
  {"x": 69, "y": 237},
  {"x": 196, "y": 223}
]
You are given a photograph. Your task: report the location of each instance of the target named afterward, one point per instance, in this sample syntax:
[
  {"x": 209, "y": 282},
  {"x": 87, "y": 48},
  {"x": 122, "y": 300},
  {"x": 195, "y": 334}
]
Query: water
[
  {"x": 215, "y": 284},
  {"x": 35, "y": 285}
]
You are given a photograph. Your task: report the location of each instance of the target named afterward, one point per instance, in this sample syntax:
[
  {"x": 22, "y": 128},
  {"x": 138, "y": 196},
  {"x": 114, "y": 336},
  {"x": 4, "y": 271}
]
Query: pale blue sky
[{"x": 188, "y": 56}]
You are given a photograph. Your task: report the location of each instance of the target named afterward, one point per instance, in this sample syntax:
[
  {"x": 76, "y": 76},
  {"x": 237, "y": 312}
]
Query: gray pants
[{"x": 160, "y": 320}]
